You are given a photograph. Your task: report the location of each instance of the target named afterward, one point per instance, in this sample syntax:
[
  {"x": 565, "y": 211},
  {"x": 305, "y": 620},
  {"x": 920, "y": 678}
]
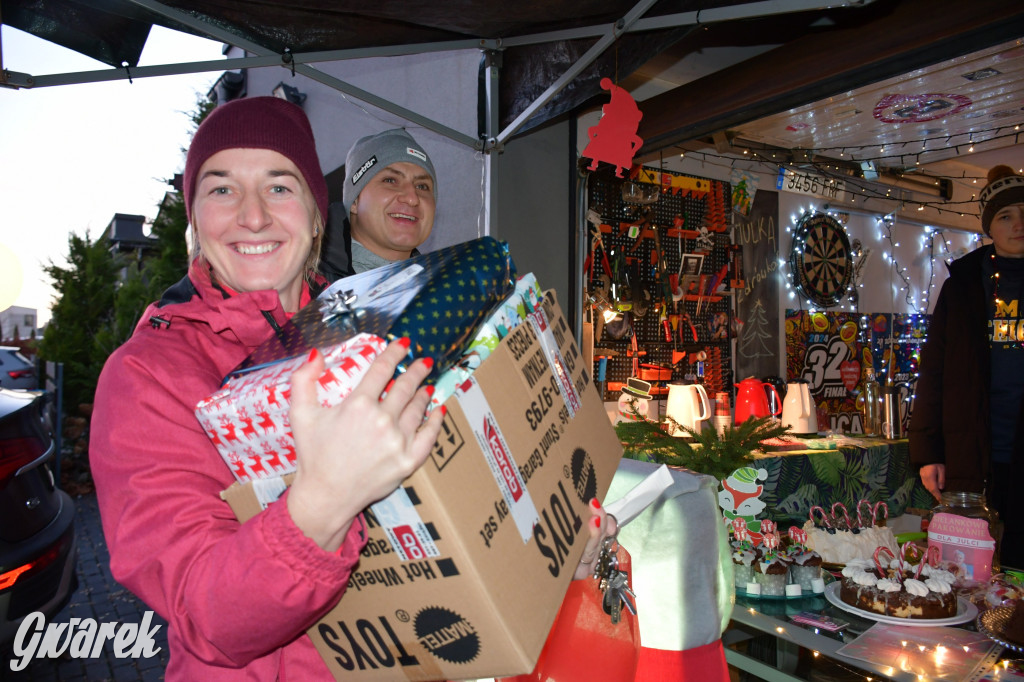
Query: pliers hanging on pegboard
[
  {"x": 596, "y": 242},
  {"x": 688, "y": 325}
]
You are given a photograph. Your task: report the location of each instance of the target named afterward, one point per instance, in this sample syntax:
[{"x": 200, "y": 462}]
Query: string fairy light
[{"x": 767, "y": 161}]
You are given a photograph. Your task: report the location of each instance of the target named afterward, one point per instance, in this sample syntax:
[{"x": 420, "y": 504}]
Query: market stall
[{"x": 700, "y": 271}]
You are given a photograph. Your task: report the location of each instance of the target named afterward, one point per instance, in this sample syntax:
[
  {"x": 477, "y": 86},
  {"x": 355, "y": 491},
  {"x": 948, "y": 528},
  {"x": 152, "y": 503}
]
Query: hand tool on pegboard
[
  {"x": 719, "y": 278},
  {"x": 687, "y": 332},
  {"x": 602, "y": 356},
  {"x": 701, "y": 286},
  {"x": 596, "y": 242},
  {"x": 635, "y": 352}
]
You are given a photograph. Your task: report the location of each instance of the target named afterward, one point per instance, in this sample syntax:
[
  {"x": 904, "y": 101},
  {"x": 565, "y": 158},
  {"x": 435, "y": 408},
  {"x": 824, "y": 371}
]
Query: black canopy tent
[
  {"x": 549, "y": 55},
  {"x": 542, "y": 60}
]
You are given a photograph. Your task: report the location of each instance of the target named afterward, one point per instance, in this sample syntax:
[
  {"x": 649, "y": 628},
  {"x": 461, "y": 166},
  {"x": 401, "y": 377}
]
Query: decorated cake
[
  {"x": 838, "y": 539},
  {"x": 1014, "y": 628},
  {"x": 898, "y": 589}
]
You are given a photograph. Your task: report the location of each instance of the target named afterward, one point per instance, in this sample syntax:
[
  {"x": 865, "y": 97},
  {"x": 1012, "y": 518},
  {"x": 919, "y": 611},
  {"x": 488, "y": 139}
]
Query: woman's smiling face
[{"x": 254, "y": 214}]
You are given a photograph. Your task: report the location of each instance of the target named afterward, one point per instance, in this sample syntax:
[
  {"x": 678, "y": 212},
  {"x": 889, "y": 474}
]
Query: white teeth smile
[
  {"x": 255, "y": 249},
  {"x": 406, "y": 216}
]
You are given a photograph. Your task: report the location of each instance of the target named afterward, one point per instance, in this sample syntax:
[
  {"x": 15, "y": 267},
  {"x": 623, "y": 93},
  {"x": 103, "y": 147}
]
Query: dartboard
[{"x": 820, "y": 260}]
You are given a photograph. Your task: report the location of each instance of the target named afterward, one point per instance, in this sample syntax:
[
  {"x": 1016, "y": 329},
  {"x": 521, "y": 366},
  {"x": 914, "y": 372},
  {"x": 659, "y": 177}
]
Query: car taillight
[
  {"x": 21, "y": 373},
  {"x": 9, "y": 578},
  {"x": 16, "y": 453}
]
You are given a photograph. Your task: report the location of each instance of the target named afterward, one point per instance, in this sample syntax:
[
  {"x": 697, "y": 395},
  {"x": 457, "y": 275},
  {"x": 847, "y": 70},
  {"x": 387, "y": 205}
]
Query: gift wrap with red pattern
[{"x": 247, "y": 419}]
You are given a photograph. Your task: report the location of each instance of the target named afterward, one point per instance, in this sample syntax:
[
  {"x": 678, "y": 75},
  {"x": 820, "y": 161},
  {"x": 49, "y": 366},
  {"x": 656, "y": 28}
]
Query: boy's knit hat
[
  {"x": 1004, "y": 188},
  {"x": 370, "y": 154},
  {"x": 257, "y": 123}
]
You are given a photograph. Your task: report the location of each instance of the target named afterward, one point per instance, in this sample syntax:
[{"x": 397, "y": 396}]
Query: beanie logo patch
[
  {"x": 417, "y": 153},
  {"x": 362, "y": 169}
]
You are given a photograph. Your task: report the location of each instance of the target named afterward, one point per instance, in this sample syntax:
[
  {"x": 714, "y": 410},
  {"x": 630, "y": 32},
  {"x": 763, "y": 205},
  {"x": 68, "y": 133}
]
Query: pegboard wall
[{"x": 666, "y": 266}]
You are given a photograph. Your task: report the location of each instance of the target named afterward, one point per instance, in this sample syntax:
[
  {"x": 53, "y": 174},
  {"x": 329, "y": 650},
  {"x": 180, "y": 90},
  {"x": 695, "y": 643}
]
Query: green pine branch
[{"x": 708, "y": 453}]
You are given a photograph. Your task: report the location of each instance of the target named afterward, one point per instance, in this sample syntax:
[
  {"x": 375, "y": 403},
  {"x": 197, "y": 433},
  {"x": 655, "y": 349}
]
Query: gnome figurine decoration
[{"x": 614, "y": 139}]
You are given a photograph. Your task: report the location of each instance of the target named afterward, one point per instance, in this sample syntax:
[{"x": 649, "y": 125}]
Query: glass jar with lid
[{"x": 967, "y": 533}]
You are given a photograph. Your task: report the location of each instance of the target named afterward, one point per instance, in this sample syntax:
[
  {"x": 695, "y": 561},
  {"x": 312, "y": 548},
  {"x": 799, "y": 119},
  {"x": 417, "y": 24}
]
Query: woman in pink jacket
[{"x": 239, "y": 597}]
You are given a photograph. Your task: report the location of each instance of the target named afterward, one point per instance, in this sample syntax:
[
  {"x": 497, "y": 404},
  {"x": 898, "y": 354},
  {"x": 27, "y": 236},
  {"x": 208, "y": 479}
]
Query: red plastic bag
[{"x": 583, "y": 645}]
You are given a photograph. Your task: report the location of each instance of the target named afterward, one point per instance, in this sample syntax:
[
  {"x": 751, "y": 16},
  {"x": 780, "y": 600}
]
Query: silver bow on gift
[{"x": 338, "y": 309}]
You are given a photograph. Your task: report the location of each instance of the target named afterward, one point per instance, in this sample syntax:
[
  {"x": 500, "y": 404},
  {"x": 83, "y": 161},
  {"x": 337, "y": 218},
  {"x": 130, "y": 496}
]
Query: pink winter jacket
[{"x": 238, "y": 597}]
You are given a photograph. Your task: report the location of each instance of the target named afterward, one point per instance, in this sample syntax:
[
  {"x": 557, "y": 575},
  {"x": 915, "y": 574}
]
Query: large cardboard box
[{"x": 465, "y": 570}]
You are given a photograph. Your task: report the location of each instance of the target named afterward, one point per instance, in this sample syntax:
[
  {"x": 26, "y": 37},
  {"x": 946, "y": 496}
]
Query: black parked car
[{"x": 37, "y": 540}]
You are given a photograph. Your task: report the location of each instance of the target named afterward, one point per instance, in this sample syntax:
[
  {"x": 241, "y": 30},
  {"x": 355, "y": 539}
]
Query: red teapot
[{"x": 752, "y": 400}]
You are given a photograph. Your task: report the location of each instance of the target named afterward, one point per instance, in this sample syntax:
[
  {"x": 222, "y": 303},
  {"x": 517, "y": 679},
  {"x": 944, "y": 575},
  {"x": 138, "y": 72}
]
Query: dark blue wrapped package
[{"x": 437, "y": 299}]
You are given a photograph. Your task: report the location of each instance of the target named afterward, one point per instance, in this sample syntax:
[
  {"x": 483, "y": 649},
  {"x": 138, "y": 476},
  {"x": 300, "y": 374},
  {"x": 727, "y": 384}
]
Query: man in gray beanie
[{"x": 388, "y": 205}]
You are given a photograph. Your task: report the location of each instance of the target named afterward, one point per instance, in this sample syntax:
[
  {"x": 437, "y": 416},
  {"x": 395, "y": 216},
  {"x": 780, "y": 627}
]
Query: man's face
[
  {"x": 395, "y": 211},
  {"x": 1007, "y": 231}
]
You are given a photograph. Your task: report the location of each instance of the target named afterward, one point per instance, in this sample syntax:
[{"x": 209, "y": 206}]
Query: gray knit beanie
[{"x": 369, "y": 155}]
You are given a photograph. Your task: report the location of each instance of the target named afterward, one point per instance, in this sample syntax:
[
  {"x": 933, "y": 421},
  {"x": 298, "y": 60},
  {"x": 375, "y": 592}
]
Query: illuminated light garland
[{"x": 769, "y": 157}]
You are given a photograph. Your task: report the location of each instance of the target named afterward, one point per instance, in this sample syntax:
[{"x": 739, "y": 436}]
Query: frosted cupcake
[
  {"x": 772, "y": 568},
  {"x": 805, "y": 563},
  {"x": 743, "y": 557}
]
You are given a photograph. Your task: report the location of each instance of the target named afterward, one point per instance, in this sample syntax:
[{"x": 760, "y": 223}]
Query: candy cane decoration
[
  {"x": 871, "y": 512},
  {"x": 934, "y": 556},
  {"x": 798, "y": 535},
  {"x": 910, "y": 551},
  {"x": 824, "y": 517},
  {"x": 768, "y": 526},
  {"x": 846, "y": 515},
  {"x": 885, "y": 510},
  {"x": 878, "y": 563}
]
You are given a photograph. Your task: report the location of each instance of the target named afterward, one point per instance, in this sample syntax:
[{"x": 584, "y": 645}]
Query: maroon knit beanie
[{"x": 257, "y": 123}]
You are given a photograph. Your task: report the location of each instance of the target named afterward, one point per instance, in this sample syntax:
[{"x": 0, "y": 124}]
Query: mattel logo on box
[{"x": 468, "y": 561}]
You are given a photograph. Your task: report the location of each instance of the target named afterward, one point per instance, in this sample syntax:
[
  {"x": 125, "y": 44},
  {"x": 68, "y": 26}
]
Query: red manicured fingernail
[
  {"x": 594, "y": 503},
  {"x": 429, "y": 362},
  {"x": 405, "y": 341},
  {"x": 430, "y": 391},
  {"x": 313, "y": 355},
  {"x": 596, "y": 522},
  {"x": 444, "y": 411},
  {"x": 387, "y": 389}
]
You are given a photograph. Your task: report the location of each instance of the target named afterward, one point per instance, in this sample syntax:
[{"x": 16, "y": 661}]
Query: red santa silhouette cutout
[{"x": 614, "y": 139}]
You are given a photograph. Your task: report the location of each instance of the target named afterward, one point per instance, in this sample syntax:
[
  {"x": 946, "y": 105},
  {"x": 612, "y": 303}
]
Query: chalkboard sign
[{"x": 758, "y": 342}]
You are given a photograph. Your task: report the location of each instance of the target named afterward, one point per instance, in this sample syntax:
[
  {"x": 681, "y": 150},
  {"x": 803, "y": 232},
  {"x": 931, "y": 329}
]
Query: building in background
[
  {"x": 127, "y": 237},
  {"x": 19, "y": 324}
]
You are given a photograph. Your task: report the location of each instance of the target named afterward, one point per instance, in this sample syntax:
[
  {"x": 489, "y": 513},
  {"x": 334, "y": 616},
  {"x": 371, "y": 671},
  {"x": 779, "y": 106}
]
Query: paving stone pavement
[{"x": 101, "y": 598}]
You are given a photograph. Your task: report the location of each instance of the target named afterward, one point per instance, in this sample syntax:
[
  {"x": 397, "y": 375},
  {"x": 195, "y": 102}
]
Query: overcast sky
[{"x": 74, "y": 155}]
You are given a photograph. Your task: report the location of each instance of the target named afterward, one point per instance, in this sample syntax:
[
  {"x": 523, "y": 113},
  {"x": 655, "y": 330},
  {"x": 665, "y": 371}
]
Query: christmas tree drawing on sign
[{"x": 754, "y": 338}]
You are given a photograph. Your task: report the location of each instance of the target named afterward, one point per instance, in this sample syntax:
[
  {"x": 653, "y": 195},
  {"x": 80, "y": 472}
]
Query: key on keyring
[
  {"x": 618, "y": 584},
  {"x": 606, "y": 561},
  {"x": 617, "y": 594}
]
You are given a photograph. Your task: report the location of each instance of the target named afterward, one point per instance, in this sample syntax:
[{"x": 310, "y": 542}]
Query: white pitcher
[
  {"x": 688, "y": 405},
  {"x": 798, "y": 409}
]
